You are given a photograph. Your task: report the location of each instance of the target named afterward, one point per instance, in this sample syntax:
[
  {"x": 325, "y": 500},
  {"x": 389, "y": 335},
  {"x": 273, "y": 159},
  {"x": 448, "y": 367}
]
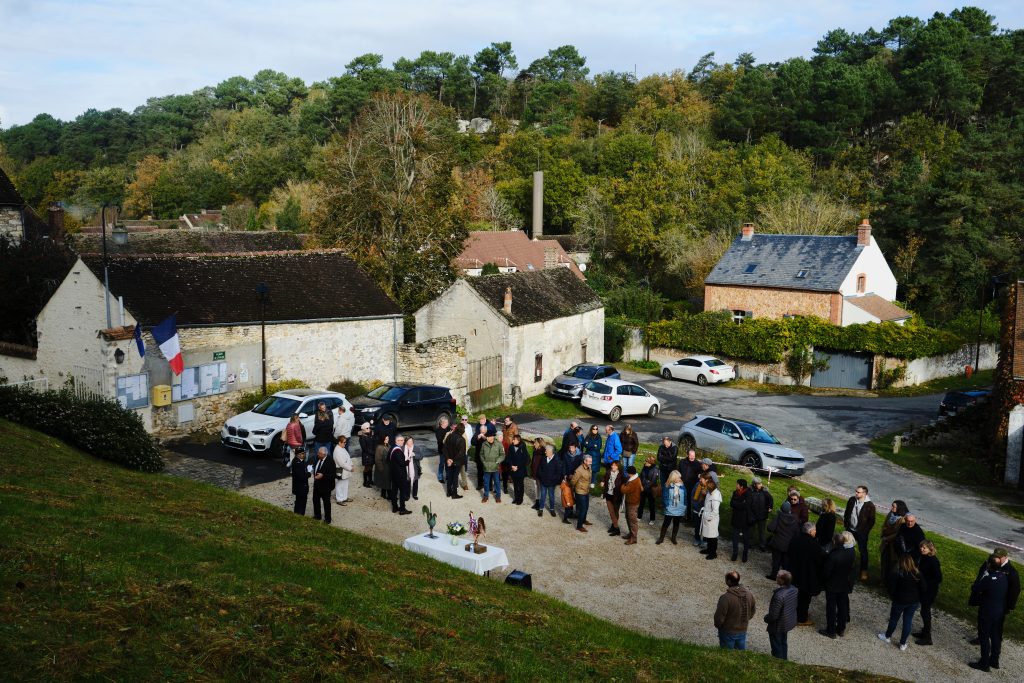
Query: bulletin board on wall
[
  {"x": 133, "y": 391},
  {"x": 207, "y": 379}
]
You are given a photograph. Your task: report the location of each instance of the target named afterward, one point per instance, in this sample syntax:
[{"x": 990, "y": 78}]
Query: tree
[
  {"x": 290, "y": 216},
  {"x": 805, "y": 214},
  {"x": 388, "y": 195},
  {"x": 801, "y": 363}
]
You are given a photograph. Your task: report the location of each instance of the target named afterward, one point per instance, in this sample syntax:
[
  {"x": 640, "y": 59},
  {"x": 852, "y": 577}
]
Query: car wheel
[
  {"x": 702, "y": 380},
  {"x": 276, "y": 447},
  {"x": 666, "y": 373},
  {"x": 653, "y": 410},
  {"x": 751, "y": 460},
  {"x": 688, "y": 443},
  {"x": 615, "y": 414},
  {"x": 393, "y": 418}
]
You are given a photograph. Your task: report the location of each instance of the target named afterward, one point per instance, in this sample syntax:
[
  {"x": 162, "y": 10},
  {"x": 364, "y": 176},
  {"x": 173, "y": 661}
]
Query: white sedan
[
  {"x": 700, "y": 369},
  {"x": 616, "y": 397}
]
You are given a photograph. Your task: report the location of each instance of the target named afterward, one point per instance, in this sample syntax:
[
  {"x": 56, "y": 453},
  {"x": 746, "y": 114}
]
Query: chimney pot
[
  {"x": 748, "y": 232},
  {"x": 864, "y": 234},
  {"x": 550, "y": 257},
  {"x": 508, "y": 301}
]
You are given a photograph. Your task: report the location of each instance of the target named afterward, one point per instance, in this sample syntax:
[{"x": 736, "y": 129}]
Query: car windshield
[
  {"x": 756, "y": 434},
  {"x": 582, "y": 371},
  {"x": 387, "y": 393},
  {"x": 599, "y": 388},
  {"x": 713, "y": 363},
  {"x": 277, "y": 406}
]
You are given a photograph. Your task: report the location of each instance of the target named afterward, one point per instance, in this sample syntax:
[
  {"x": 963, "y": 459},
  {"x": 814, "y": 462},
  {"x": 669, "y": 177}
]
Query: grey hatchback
[{"x": 571, "y": 382}]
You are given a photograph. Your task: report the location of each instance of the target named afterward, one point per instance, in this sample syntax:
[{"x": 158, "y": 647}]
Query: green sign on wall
[{"x": 218, "y": 355}]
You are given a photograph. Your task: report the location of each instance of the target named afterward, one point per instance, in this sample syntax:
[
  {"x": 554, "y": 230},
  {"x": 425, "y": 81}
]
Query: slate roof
[
  {"x": 9, "y": 195},
  {"x": 778, "y": 259},
  {"x": 511, "y": 248},
  {"x": 220, "y": 289},
  {"x": 537, "y": 296},
  {"x": 878, "y": 307},
  {"x": 175, "y": 241}
]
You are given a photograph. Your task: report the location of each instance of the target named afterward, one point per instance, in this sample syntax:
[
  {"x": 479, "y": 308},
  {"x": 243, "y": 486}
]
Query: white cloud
[{"x": 65, "y": 56}]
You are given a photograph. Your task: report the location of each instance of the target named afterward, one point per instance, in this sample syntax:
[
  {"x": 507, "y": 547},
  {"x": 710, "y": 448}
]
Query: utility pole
[{"x": 261, "y": 291}]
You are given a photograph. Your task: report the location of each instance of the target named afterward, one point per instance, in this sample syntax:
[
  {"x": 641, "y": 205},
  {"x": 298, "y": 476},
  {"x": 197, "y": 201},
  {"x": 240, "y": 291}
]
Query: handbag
[
  {"x": 656, "y": 491},
  {"x": 568, "y": 499}
]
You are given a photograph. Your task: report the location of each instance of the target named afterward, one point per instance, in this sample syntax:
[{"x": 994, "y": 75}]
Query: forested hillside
[{"x": 916, "y": 126}]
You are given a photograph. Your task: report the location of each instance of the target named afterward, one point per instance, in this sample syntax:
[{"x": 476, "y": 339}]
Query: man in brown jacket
[
  {"x": 632, "y": 490},
  {"x": 580, "y": 482},
  {"x": 735, "y": 610}
]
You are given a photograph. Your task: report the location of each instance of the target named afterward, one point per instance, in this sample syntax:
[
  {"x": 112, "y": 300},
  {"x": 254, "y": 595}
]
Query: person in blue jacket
[
  {"x": 673, "y": 499},
  {"x": 612, "y": 446},
  {"x": 592, "y": 447}
]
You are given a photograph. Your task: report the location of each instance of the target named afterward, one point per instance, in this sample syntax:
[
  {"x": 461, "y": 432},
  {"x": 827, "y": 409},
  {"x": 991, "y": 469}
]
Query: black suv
[{"x": 409, "y": 405}]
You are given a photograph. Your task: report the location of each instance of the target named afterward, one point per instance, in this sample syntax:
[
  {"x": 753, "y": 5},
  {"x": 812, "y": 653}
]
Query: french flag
[{"x": 166, "y": 336}]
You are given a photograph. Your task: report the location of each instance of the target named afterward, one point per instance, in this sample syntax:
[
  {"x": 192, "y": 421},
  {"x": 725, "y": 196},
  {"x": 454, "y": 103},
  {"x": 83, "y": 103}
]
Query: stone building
[
  {"x": 843, "y": 279},
  {"x": 533, "y": 325},
  {"x": 1008, "y": 390},
  {"x": 325, "y": 321},
  {"x": 18, "y": 220}
]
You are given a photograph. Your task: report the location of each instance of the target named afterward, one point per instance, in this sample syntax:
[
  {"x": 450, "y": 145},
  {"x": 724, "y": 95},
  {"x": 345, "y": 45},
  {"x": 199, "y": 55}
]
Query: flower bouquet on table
[
  {"x": 456, "y": 529},
  {"x": 477, "y": 528}
]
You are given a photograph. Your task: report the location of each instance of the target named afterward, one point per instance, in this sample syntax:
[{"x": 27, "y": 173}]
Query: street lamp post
[
  {"x": 106, "y": 274},
  {"x": 261, "y": 291}
]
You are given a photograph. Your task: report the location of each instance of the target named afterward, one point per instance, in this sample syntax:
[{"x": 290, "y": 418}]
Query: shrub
[
  {"x": 887, "y": 378},
  {"x": 645, "y": 364},
  {"x": 489, "y": 269},
  {"x": 98, "y": 426},
  {"x": 801, "y": 364},
  {"x": 614, "y": 341},
  {"x": 352, "y": 388},
  {"x": 245, "y": 401}
]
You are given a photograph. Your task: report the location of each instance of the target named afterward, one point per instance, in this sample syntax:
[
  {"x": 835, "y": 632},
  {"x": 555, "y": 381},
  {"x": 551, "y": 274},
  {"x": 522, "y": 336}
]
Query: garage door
[{"x": 845, "y": 370}]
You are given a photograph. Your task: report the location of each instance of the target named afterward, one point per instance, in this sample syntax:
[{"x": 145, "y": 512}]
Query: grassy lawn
[
  {"x": 950, "y": 465},
  {"x": 978, "y": 380},
  {"x": 114, "y": 575},
  {"x": 960, "y": 562}
]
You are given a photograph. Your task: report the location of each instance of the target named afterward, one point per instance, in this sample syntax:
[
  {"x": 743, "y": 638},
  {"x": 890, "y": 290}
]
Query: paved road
[{"x": 833, "y": 432}]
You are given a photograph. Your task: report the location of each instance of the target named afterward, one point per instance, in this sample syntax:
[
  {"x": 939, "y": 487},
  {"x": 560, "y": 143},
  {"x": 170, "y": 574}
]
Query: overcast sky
[{"x": 65, "y": 56}]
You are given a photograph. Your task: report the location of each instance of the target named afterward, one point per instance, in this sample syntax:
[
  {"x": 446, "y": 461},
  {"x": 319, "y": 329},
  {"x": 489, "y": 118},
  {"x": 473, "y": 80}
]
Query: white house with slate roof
[
  {"x": 843, "y": 279},
  {"x": 539, "y": 322}
]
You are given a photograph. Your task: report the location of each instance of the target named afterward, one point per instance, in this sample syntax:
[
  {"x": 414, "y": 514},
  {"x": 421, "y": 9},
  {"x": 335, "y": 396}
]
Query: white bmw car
[{"x": 260, "y": 430}]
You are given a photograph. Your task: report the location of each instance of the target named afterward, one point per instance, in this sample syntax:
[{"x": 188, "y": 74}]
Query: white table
[{"x": 441, "y": 549}]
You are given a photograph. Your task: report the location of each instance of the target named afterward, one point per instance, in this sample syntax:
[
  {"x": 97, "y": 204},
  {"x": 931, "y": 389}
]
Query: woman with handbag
[
  {"x": 611, "y": 485},
  {"x": 630, "y": 446},
  {"x": 673, "y": 499},
  {"x": 342, "y": 471},
  {"x": 700, "y": 492},
  {"x": 709, "y": 519}
]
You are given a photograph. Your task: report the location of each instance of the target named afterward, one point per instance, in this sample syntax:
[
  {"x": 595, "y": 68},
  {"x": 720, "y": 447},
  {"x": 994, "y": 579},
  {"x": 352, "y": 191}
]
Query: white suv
[
  {"x": 617, "y": 397},
  {"x": 259, "y": 430}
]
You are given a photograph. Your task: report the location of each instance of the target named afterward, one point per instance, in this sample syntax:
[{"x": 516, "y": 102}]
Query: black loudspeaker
[{"x": 521, "y": 579}]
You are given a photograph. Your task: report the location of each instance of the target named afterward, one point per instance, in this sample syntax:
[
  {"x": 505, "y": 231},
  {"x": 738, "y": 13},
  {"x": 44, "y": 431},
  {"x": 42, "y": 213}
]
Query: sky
[{"x": 65, "y": 56}]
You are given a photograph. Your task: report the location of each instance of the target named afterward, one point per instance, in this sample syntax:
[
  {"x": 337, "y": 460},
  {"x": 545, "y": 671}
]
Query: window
[
  {"x": 623, "y": 390},
  {"x": 801, "y": 273},
  {"x": 413, "y": 396},
  {"x": 739, "y": 316},
  {"x": 583, "y": 346},
  {"x": 538, "y": 367},
  {"x": 751, "y": 267},
  {"x": 862, "y": 283},
  {"x": 637, "y": 391},
  {"x": 711, "y": 424}
]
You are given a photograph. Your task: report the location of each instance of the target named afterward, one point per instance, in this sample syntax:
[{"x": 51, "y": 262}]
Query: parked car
[
  {"x": 955, "y": 401},
  {"x": 742, "y": 441},
  {"x": 259, "y": 430},
  {"x": 409, "y": 405},
  {"x": 616, "y": 397},
  {"x": 700, "y": 369},
  {"x": 571, "y": 382}
]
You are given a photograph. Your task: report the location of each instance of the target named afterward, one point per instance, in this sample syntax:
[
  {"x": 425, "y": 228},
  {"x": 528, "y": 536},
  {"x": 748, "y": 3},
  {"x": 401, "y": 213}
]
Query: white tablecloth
[{"x": 441, "y": 548}]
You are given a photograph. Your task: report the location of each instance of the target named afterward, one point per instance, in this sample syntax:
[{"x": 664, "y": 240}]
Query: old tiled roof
[
  {"x": 177, "y": 241},
  {"x": 9, "y": 195},
  {"x": 219, "y": 289},
  {"x": 537, "y": 296},
  {"x": 511, "y": 248},
  {"x": 775, "y": 261},
  {"x": 878, "y": 307}
]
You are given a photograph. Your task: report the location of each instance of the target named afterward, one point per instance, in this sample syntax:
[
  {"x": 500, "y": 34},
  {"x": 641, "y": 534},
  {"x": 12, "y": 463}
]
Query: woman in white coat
[
  {"x": 709, "y": 520},
  {"x": 343, "y": 470}
]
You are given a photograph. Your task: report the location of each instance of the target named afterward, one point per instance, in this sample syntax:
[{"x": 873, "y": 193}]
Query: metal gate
[
  {"x": 845, "y": 370},
  {"x": 484, "y": 383},
  {"x": 87, "y": 382}
]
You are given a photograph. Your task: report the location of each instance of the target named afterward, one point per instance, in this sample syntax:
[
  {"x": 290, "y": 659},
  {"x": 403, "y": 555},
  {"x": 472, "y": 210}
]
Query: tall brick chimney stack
[
  {"x": 507, "y": 307},
  {"x": 748, "y": 232},
  {"x": 550, "y": 257},
  {"x": 55, "y": 222},
  {"x": 864, "y": 234}
]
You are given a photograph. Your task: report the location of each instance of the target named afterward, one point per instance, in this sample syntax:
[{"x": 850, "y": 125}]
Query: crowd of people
[{"x": 828, "y": 555}]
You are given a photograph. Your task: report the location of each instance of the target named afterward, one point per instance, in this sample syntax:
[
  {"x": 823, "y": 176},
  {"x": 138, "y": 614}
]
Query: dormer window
[
  {"x": 751, "y": 267},
  {"x": 801, "y": 273}
]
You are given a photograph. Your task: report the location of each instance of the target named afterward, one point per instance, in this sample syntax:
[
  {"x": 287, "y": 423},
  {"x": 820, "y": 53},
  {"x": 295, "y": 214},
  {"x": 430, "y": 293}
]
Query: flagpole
[{"x": 106, "y": 274}]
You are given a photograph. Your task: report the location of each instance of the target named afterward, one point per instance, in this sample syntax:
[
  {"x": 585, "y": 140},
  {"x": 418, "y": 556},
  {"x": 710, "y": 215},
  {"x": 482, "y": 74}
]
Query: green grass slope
[{"x": 114, "y": 575}]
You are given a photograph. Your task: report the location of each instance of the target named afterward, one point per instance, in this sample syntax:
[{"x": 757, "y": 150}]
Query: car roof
[
  {"x": 726, "y": 417},
  {"x": 306, "y": 393},
  {"x": 702, "y": 357},
  {"x": 613, "y": 382},
  {"x": 410, "y": 385}
]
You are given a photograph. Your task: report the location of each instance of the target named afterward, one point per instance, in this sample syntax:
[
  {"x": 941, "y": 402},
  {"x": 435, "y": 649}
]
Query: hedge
[
  {"x": 768, "y": 341},
  {"x": 98, "y": 426}
]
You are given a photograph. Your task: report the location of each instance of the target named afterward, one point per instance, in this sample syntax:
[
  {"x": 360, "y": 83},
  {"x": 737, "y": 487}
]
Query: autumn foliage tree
[{"x": 389, "y": 196}]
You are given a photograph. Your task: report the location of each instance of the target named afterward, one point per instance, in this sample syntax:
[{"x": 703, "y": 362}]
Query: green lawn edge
[{"x": 112, "y": 574}]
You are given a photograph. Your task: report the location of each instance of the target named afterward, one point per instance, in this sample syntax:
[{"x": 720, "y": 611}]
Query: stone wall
[
  {"x": 10, "y": 223},
  {"x": 561, "y": 344},
  {"x": 923, "y": 370},
  {"x": 436, "y": 361},
  {"x": 769, "y": 303}
]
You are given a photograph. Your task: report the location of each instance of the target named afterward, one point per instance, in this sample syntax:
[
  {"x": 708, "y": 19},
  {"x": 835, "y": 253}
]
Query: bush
[
  {"x": 614, "y": 341},
  {"x": 248, "y": 399},
  {"x": 352, "y": 388},
  {"x": 98, "y": 426}
]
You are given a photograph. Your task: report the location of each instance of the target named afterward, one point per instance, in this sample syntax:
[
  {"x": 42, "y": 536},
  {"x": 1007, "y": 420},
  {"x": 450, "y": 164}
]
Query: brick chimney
[
  {"x": 748, "y": 232},
  {"x": 55, "y": 222},
  {"x": 864, "y": 234},
  {"x": 550, "y": 257},
  {"x": 507, "y": 307}
]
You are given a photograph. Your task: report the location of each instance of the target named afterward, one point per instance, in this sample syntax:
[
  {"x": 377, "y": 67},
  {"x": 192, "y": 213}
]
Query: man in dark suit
[
  {"x": 990, "y": 593},
  {"x": 300, "y": 480},
  {"x": 323, "y": 484},
  {"x": 399, "y": 477},
  {"x": 804, "y": 559},
  {"x": 859, "y": 518},
  {"x": 838, "y": 577},
  {"x": 1002, "y": 564}
]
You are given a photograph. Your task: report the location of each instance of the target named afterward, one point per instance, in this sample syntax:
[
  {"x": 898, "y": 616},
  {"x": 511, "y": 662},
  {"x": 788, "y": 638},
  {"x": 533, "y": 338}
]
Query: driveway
[{"x": 833, "y": 432}]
